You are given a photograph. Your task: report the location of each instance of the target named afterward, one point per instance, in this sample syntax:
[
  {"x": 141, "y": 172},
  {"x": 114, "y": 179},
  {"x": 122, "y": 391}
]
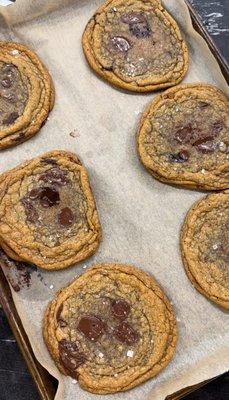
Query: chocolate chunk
[
  {"x": 11, "y": 97},
  {"x": 65, "y": 217},
  {"x": 11, "y": 118},
  {"x": 180, "y": 157},
  {"x": 217, "y": 126},
  {"x": 8, "y": 68},
  {"x": 49, "y": 197},
  {"x": 6, "y": 82},
  {"x": 70, "y": 357},
  {"x": 203, "y": 104},
  {"x": 92, "y": 327},
  {"x": 133, "y": 17},
  {"x": 140, "y": 29},
  {"x": 49, "y": 161},
  {"x": 120, "y": 43},
  {"x": 126, "y": 334},
  {"x": 184, "y": 134},
  {"x": 205, "y": 144},
  {"x": 30, "y": 211},
  {"x": 34, "y": 193},
  {"x": 19, "y": 138},
  {"x": 55, "y": 176},
  {"x": 120, "y": 309}
]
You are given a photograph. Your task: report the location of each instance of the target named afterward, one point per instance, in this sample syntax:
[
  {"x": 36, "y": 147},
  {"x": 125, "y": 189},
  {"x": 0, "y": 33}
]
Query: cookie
[
  {"x": 183, "y": 137},
  {"x": 205, "y": 247},
  {"x": 135, "y": 45},
  {"x": 26, "y": 94},
  {"x": 111, "y": 329},
  {"x": 48, "y": 215}
]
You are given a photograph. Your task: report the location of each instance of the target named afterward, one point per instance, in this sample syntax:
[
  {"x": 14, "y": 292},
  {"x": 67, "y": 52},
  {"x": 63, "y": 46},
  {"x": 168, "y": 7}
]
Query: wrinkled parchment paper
[{"x": 140, "y": 216}]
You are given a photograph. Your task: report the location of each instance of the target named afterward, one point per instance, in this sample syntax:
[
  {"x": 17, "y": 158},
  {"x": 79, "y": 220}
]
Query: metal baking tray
[{"x": 45, "y": 383}]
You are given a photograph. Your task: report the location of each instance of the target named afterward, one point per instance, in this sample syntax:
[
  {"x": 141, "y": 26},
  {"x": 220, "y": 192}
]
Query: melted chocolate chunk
[
  {"x": 11, "y": 118},
  {"x": 30, "y": 211},
  {"x": 120, "y": 309},
  {"x": 34, "y": 193},
  {"x": 70, "y": 357},
  {"x": 205, "y": 144},
  {"x": 65, "y": 217},
  {"x": 138, "y": 24},
  {"x": 55, "y": 176},
  {"x": 184, "y": 134},
  {"x": 49, "y": 197},
  {"x": 6, "y": 82},
  {"x": 180, "y": 157},
  {"x": 126, "y": 334},
  {"x": 120, "y": 43},
  {"x": 140, "y": 29},
  {"x": 92, "y": 327},
  {"x": 133, "y": 17}
]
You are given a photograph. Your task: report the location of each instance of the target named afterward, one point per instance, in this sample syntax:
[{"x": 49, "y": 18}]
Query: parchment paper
[{"x": 140, "y": 216}]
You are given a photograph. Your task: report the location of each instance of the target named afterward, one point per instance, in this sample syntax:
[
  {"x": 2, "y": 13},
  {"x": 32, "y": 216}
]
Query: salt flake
[{"x": 130, "y": 353}]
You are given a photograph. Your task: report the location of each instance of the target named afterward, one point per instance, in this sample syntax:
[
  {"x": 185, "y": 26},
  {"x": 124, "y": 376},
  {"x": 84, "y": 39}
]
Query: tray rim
[{"x": 41, "y": 377}]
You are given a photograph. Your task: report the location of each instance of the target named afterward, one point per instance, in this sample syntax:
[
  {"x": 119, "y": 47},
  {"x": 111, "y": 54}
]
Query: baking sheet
[{"x": 141, "y": 217}]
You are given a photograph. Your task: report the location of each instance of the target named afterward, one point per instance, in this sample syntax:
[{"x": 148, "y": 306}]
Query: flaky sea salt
[
  {"x": 14, "y": 52},
  {"x": 130, "y": 353},
  {"x": 101, "y": 355},
  {"x": 51, "y": 287},
  {"x": 203, "y": 171},
  {"x": 215, "y": 246}
]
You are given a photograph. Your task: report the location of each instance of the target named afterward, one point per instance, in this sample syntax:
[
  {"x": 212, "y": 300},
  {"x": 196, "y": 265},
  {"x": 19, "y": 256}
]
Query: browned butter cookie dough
[
  {"x": 26, "y": 94},
  {"x": 183, "y": 137},
  {"x": 48, "y": 215},
  {"x": 111, "y": 329},
  {"x": 205, "y": 247},
  {"x": 135, "y": 45}
]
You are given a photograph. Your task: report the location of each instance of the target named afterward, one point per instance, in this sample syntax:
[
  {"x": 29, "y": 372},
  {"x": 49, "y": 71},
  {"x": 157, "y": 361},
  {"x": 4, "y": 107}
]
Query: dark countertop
[{"x": 15, "y": 380}]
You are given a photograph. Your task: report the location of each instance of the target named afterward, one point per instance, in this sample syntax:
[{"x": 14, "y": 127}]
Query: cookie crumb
[{"x": 75, "y": 134}]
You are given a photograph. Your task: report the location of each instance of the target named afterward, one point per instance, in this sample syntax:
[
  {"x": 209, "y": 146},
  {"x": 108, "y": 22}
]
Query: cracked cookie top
[
  {"x": 48, "y": 214},
  {"x": 111, "y": 329},
  {"x": 184, "y": 137},
  {"x": 135, "y": 45}
]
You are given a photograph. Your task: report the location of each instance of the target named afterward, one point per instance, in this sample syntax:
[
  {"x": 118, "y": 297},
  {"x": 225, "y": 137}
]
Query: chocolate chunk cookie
[
  {"x": 26, "y": 94},
  {"x": 205, "y": 247},
  {"x": 111, "y": 329},
  {"x": 135, "y": 45},
  {"x": 48, "y": 214},
  {"x": 183, "y": 137}
]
